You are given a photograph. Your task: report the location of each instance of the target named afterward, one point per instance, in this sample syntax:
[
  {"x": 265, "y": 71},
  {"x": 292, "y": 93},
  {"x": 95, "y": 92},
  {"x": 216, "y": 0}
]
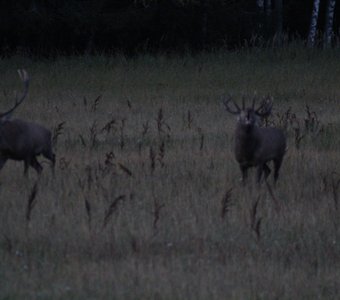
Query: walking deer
[
  {"x": 21, "y": 140},
  {"x": 256, "y": 146}
]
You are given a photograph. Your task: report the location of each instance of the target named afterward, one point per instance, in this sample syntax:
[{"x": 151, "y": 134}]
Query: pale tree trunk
[
  {"x": 313, "y": 24},
  {"x": 329, "y": 23}
]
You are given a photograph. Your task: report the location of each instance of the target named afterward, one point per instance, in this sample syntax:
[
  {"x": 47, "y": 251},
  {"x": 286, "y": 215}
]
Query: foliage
[{"x": 48, "y": 28}]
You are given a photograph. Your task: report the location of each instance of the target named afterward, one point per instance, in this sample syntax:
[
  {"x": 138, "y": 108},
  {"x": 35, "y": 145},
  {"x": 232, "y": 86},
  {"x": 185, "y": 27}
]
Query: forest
[{"x": 133, "y": 26}]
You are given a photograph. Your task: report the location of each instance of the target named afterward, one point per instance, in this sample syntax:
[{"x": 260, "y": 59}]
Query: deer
[
  {"x": 21, "y": 140},
  {"x": 256, "y": 146}
]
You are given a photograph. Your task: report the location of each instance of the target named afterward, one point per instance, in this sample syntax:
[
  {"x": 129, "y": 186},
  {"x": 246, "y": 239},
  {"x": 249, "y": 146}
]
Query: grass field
[{"x": 146, "y": 201}]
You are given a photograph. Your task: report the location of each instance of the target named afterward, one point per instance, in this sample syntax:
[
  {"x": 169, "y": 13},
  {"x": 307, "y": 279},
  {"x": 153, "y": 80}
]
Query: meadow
[{"x": 146, "y": 200}]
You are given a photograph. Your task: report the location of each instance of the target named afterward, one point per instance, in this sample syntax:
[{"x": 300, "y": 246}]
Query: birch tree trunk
[
  {"x": 313, "y": 24},
  {"x": 329, "y": 23}
]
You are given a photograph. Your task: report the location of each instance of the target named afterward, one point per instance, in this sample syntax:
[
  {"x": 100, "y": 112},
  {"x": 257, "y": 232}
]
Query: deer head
[{"x": 249, "y": 116}]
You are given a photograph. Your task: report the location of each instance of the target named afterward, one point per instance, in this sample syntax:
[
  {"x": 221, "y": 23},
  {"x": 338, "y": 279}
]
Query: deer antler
[
  {"x": 25, "y": 78},
  {"x": 232, "y": 111},
  {"x": 265, "y": 109}
]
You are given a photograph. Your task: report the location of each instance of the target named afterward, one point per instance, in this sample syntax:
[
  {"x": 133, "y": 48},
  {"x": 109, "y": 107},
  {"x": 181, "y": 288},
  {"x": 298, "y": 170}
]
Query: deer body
[
  {"x": 24, "y": 141},
  {"x": 256, "y": 146}
]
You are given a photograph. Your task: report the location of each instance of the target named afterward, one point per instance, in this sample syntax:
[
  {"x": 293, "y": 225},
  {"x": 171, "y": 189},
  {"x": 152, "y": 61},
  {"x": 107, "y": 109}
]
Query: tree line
[{"x": 48, "y": 27}]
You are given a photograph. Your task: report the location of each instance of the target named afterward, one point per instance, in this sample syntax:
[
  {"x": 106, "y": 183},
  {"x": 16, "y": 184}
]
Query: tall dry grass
[{"x": 146, "y": 201}]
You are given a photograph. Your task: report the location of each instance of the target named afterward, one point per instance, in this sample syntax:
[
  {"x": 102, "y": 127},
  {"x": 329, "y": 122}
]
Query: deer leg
[
  {"x": 244, "y": 171},
  {"x": 2, "y": 162},
  {"x": 36, "y": 165},
  {"x": 277, "y": 165},
  {"x": 260, "y": 169},
  {"x": 51, "y": 156},
  {"x": 259, "y": 173},
  {"x": 53, "y": 163},
  {"x": 26, "y": 164},
  {"x": 266, "y": 170}
]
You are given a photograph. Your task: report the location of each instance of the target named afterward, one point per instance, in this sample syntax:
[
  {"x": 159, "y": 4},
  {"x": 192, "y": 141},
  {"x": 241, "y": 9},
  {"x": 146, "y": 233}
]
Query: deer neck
[
  {"x": 246, "y": 133},
  {"x": 246, "y": 140}
]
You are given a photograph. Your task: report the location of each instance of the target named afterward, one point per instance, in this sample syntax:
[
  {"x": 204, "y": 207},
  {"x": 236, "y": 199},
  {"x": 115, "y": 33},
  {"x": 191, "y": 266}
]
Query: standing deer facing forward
[
  {"x": 21, "y": 140},
  {"x": 256, "y": 146}
]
